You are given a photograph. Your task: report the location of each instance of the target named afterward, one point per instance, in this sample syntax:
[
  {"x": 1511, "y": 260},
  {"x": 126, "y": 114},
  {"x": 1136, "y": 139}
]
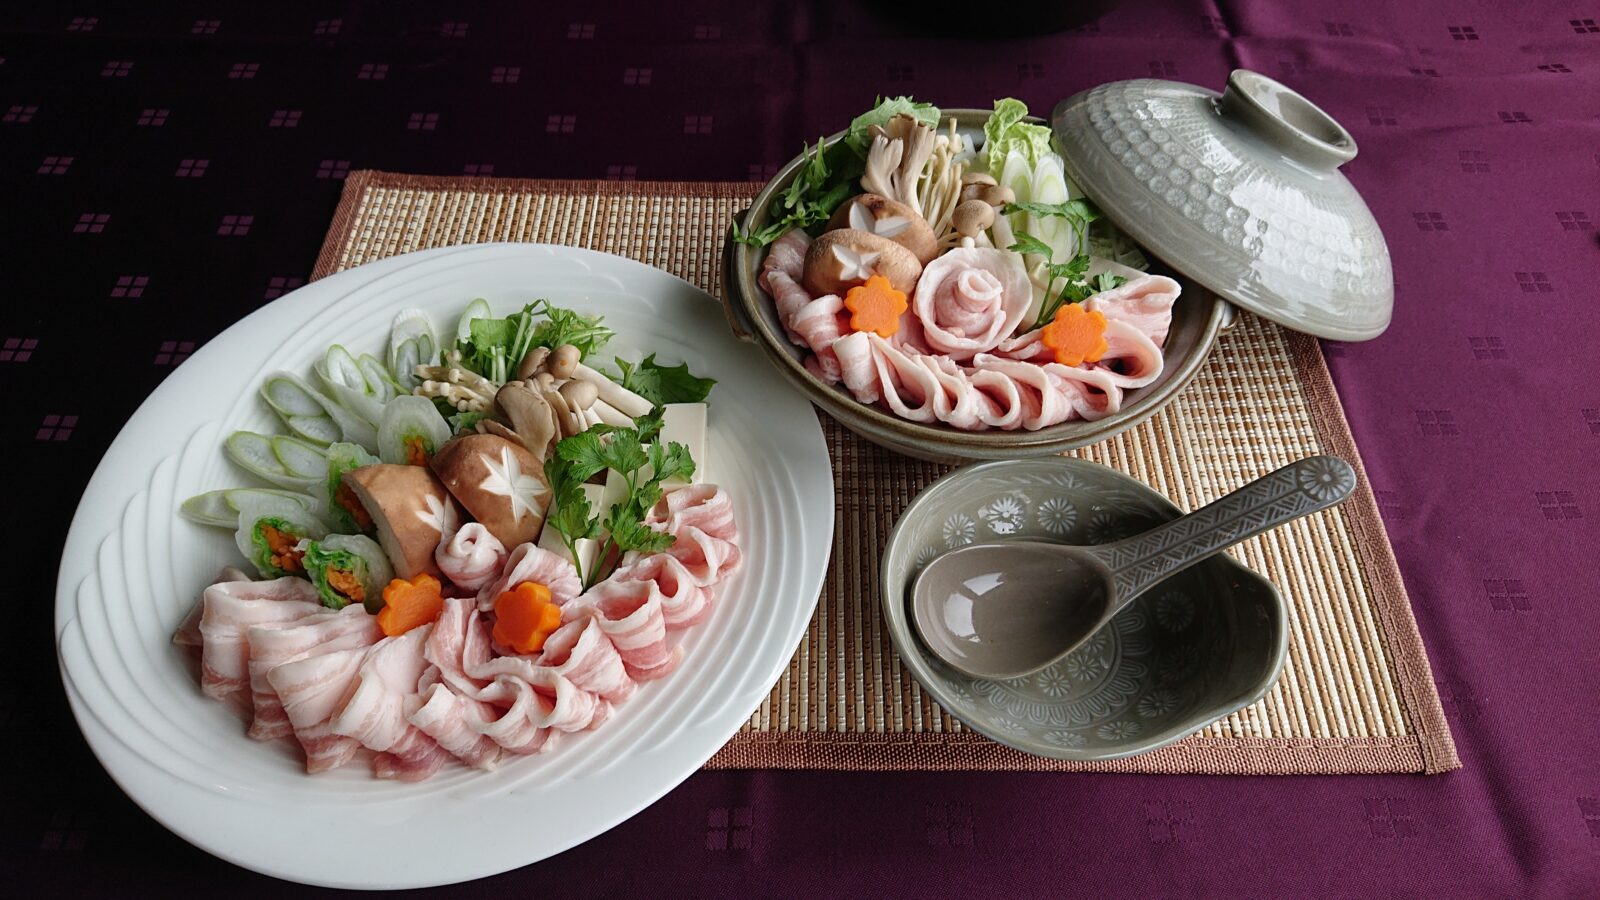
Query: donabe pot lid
[{"x": 1240, "y": 191}]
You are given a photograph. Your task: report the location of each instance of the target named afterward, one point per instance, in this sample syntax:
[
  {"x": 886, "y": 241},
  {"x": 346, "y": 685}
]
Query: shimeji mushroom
[
  {"x": 845, "y": 257},
  {"x": 532, "y": 419},
  {"x": 463, "y": 389},
  {"x": 971, "y": 218}
]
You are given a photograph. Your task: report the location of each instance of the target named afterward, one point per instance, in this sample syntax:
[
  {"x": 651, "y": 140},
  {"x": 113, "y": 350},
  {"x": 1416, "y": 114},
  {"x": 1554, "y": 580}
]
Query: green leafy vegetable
[
  {"x": 563, "y": 326},
  {"x": 1005, "y": 131},
  {"x": 465, "y": 421},
  {"x": 570, "y": 512},
  {"x": 643, "y": 469},
  {"x": 1079, "y": 212},
  {"x": 663, "y": 384},
  {"x": 859, "y": 136},
  {"x": 495, "y": 346},
  {"x": 1076, "y": 286},
  {"x": 810, "y": 199}
]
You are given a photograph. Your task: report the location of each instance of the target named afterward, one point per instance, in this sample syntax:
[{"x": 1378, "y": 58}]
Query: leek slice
[{"x": 406, "y": 420}]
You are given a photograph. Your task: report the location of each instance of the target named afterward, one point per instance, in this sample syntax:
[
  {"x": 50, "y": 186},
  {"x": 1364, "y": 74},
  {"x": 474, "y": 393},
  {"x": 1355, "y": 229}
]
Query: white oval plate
[{"x": 131, "y": 570}]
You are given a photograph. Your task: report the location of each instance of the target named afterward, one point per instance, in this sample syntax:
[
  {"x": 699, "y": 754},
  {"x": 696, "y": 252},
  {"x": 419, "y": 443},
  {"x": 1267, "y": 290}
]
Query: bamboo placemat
[{"x": 1356, "y": 694}]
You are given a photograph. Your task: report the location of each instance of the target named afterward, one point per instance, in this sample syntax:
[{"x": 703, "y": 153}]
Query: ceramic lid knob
[
  {"x": 1290, "y": 123},
  {"x": 1239, "y": 191}
]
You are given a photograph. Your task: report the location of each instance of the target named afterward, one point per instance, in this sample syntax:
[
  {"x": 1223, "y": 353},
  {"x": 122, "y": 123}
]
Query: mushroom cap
[
  {"x": 972, "y": 216},
  {"x": 992, "y": 194},
  {"x": 564, "y": 361},
  {"x": 580, "y": 394},
  {"x": 891, "y": 219},
  {"x": 412, "y": 510},
  {"x": 530, "y": 416},
  {"x": 499, "y": 482},
  {"x": 845, "y": 257},
  {"x": 532, "y": 362}
]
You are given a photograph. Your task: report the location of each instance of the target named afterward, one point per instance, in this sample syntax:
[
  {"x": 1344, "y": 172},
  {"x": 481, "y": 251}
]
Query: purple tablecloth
[{"x": 165, "y": 172}]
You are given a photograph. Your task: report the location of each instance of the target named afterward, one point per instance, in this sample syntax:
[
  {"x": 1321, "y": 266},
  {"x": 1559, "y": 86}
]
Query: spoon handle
[{"x": 1300, "y": 488}]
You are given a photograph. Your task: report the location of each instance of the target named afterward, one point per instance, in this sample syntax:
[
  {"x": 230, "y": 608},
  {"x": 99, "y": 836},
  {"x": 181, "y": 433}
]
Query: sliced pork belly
[
  {"x": 536, "y": 564},
  {"x": 276, "y": 643},
  {"x": 188, "y": 633},
  {"x": 629, "y": 612},
  {"x": 451, "y": 720},
  {"x": 1144, "y": 302},
  {"x": 685, "y": 600},
  {"x": 780, "y": 278},
  {"x": 390, "y": 672},
  {"x": 471, "y": 557},
  {"x": 705, "y": 506},
  {"x": 415, "y": 757},
  {"x": 229, "y": 610},
  {"x": 819, "y": 324},
  {"x": 312, "y": 690}
]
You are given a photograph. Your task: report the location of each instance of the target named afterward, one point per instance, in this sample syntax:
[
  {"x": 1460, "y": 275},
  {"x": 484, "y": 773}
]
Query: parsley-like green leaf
[
  {"x": 624, "y": 452},
  {"x": 1027, "y": 243},
  {"x": 585, "y": 452},
  {"x": 663, "y": 384},
  {"x": 1079, "y": 211},
  {"x": 671, "y": 461},
  {"x": 629, "y": 531},
  {"x": 570, "y": 513},
  {"x": 649, "y": 425},
  {"x": 1106, "y": 281}
]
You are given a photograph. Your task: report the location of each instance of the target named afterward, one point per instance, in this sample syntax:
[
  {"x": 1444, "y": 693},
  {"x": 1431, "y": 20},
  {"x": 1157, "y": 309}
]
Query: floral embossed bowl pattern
[{"x": 1192, "y": 650}]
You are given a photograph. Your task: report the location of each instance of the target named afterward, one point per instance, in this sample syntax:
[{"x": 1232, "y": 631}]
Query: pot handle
[
  {"x": 1230, "y": 318},
  {"x": 738, "y": 322}
]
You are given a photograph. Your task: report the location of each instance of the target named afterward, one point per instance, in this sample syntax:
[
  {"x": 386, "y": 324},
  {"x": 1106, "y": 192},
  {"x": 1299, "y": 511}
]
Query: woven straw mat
[{"x": 1356, "y": 694}]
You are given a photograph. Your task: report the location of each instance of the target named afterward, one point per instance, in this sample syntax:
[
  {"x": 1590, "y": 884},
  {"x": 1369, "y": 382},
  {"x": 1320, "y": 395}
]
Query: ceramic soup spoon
[{"x": 1008, "y": 609}]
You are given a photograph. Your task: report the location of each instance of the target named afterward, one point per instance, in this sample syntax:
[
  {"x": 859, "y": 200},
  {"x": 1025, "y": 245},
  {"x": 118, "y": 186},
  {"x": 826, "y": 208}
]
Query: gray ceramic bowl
[
  {"x": 1207, "y": 642},
  {"x": 1196, "y": 320}
]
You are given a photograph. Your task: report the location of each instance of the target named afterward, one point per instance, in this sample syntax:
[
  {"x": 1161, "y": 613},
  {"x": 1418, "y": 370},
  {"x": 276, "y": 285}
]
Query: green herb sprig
[
  {"x": 495, "y": 346},
  {"x": 810, "y": 199},
  {"x": 1076, "y": 286},
  {"x": 663, "y": 384},
  {"x": 643, "y": 464}
]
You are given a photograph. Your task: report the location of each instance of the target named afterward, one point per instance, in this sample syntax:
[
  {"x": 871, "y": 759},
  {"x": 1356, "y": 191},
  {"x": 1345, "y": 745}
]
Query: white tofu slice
[
  {"x": 685, "y": 423},
  {"x": 601, "y": 498}
]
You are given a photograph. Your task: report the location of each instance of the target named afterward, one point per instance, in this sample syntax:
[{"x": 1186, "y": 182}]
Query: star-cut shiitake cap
[
  {"x": 412, "y": 511},
  {"x": 499, "y": 483}
]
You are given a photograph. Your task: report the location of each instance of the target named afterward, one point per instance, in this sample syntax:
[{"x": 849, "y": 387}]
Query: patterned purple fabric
[{"x": 166, "y": 168}]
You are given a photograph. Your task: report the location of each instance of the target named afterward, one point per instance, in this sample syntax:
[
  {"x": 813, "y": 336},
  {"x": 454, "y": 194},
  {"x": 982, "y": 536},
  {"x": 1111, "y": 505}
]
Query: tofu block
[
  {"x": 685, "y": 423},
  {"x": 600, "y": 499}
]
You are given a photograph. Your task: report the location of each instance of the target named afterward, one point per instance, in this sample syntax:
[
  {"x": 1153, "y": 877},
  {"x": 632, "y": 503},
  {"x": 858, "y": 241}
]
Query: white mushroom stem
[
  {"x": 610, "y": 415},
  {"x": 939, "y": 192},
  {"x": 623, "y": 400},
  {"x": 457, "y": 375},
  {"x": 463, "y": 398},
  {"x": 1001, "y": 230}
]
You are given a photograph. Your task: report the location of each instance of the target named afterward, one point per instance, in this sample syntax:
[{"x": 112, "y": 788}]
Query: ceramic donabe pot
[{"x": 1197, "y": 318}]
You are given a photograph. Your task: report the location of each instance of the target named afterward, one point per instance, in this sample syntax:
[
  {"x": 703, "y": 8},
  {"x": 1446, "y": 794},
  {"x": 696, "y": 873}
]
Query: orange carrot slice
[
  {"x": 525, "y": 617},
  {"x": 1076, "y": 335},
  {"x": 407, "y": 604},
  {"x": 875, "y": 306}
]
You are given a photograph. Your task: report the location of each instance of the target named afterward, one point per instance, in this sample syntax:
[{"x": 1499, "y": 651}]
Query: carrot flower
[
  {"x": 875, "y": 306},
  {"x": 525, "y": 617},
  {"x": 1076, "y": 335}
]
